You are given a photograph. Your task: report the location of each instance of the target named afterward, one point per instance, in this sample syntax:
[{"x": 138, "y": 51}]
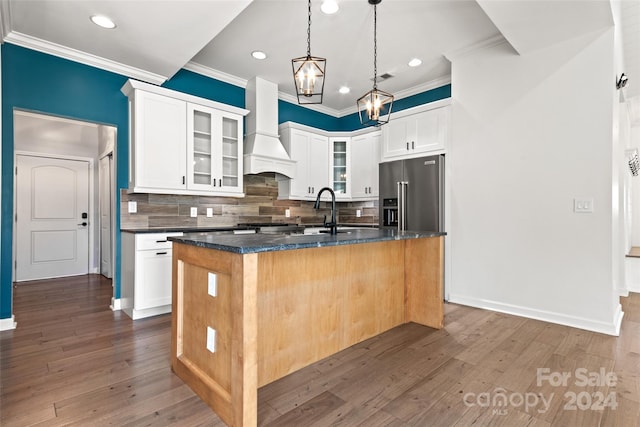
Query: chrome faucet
[{"x": 333, "y": 226}]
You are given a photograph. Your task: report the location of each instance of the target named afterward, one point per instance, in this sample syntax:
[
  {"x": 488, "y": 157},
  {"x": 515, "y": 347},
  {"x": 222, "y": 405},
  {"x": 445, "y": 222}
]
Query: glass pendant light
[
  {"x": 308, "y": 73},
  {"x": 374, "y": 107}
]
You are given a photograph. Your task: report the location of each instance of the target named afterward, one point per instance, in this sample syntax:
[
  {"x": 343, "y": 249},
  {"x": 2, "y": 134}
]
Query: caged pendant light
[
  {"x": 308, "y": 73},
  {"x": 374, "y": 107}
]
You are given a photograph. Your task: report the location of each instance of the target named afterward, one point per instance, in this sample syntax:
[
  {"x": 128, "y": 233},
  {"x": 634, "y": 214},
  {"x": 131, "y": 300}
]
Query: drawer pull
[
  {"x": 161, "y": 253},
  {"x": 161, "y": 241}
]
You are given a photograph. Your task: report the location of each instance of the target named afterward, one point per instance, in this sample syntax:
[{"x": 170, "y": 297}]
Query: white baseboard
[
  {"x": 8, "y": 323},
  {"x": 116, "y": 304},
  {"x": 632, "y": 270},
  {"x": 612, "y": 328}
]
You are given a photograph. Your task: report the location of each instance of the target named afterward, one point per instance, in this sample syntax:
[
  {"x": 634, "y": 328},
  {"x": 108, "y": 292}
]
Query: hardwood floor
[{"x": 72, "y": 361}]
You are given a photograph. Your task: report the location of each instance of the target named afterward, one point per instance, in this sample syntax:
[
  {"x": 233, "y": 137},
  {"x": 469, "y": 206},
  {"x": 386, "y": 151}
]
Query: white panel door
[{"x": 52, "y": 197}]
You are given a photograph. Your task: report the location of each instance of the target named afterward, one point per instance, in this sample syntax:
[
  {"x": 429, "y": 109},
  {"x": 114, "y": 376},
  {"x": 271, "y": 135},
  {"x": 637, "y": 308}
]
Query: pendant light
[
  {"x": 308, "y": 73},
  {"x": 374, "y": 107}
]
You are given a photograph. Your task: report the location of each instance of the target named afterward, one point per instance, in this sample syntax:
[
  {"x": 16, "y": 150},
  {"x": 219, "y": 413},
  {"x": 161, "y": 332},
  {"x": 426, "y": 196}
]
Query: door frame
[
  {"x": 112, "y": 204},
  {"x": 92, "y": 201}
]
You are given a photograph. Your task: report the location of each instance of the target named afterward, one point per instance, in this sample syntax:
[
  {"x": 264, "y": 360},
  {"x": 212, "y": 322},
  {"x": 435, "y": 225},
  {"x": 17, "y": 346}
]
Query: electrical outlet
[
  {"x": 211, "y": 339},
  {"x": 209, "y": 212},
  {"x": 358, "y": 213},
  {"x": 194, "y": 212},
  {"x": 132, "y": 206},
  {"x": 583, "y": 205},
  {"x": 212, "y": 284},
  {"x": 287, "y": 213}
]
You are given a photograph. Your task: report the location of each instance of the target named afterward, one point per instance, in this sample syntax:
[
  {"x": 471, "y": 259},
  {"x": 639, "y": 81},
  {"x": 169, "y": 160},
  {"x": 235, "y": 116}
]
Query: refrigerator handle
[
  {"x": 404, "y": 206},
  {"x": 399, "y": 205}
]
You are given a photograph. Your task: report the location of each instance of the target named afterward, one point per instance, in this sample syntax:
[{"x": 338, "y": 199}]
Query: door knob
[{"x": 84, "y": 224}]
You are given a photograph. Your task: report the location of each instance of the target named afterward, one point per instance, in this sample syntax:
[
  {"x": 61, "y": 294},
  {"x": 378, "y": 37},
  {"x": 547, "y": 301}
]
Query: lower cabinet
[{"x": 146, "y": 274}]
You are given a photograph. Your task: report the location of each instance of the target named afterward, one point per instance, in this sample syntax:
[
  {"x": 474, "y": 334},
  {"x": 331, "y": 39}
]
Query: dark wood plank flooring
[{"x": 72, "y": 361}]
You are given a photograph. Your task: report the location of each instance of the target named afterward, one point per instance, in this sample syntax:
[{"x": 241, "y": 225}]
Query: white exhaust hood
[{"x": 263, "y": 151}]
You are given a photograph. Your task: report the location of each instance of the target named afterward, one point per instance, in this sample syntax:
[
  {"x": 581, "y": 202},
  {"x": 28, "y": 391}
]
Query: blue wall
[{"x": 39, "y": 82}]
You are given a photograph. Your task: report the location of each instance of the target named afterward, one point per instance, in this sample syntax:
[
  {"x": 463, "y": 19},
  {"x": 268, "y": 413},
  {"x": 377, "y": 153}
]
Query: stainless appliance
[{"x": 412, "y": 194}]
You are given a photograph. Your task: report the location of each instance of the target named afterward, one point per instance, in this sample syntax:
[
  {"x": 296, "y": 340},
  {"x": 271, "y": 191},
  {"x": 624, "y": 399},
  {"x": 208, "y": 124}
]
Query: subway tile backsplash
[{"x": 260, "y": 205}]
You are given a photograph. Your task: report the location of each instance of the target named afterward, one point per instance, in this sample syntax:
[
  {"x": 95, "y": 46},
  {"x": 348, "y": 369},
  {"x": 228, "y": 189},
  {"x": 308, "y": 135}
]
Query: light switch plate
[
  {"x": 583, "y": 205},
  {"x": 194, "y": 212},
  {"x": 287, "y": 213},
  {"x": 358, "y": 213},
  {"x": 132, "y": 206},
  {"x": 209, "y": 212}
]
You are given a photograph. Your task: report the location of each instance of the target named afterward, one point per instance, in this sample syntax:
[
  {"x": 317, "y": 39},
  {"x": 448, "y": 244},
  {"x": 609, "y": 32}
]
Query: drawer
[{"x": 153, "y": 241}]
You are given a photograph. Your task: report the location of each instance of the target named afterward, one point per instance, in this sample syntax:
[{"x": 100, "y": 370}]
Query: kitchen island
[{"x": 250, "y": 309}]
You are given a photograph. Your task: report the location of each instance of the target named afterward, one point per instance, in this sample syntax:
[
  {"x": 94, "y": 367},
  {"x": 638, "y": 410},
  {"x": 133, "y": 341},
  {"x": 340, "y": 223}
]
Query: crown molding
[
  {"x": 472, "y": 48},
  {"x": 5, "y": 19},
  {"x": 215, "y": 74},
  {"x": 75, "y": 55}
]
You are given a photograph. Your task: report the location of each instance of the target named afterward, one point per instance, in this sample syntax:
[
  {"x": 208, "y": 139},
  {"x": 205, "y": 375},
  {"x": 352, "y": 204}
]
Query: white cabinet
[
  {"x": 365, "y": 157},
  {"x": 311, "y": 153},
  {"x": 146, "y": 274},
  {"x": 214, "y": 150},
  {"x": 158, "y": 140},
  {"x": 415, "y": 133},
  {"x": 340, "y": 167},
  {"x": 182, "y": 144}
]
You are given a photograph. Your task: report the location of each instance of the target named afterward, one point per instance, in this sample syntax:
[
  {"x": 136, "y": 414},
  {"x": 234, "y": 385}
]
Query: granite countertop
[
  {"x": 182, "y": 229},
  {"x": 259, "y": 242}
]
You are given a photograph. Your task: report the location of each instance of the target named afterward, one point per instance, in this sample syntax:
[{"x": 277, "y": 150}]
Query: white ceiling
[{"x": 155, "y": 38}]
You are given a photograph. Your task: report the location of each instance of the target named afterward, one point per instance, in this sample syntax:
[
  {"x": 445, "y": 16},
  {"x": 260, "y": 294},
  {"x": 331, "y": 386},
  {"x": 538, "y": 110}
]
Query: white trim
[
  {"x": 60, "y": 51},
  {"x": 116, "y": 304},
  {"x": 496, "y": 40},
  {"x": 237, "y": 81},
  {"x": 5, "y": 19},
  {"x": 132, "y": 85},
  {"x": 8, "y": 323},
  {"x": 215, "y": 74},
  {"x": 609, "y": 328}
]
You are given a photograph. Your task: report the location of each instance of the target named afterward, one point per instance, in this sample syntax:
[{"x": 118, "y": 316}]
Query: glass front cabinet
[
  {"x": 339, "y": 172},
  {"x": 214, "y": 150}
]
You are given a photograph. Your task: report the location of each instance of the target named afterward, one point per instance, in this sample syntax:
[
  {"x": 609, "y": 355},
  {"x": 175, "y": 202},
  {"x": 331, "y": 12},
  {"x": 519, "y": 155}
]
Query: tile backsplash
[{"x": 260, "y": 205}]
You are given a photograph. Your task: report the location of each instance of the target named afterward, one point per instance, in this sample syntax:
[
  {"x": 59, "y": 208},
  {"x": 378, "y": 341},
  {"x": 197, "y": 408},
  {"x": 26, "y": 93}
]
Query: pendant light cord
[
  {"x": 375, "y": 47},
  {"x": 309, "y": 32}
]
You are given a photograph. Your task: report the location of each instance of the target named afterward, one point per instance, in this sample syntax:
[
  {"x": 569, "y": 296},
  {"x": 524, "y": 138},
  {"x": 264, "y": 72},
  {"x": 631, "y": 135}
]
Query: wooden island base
[{"x": 276, "y": 312}]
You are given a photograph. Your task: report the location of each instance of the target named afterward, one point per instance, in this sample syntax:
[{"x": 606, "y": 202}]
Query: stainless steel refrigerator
[{"x": 412, "y": 194}]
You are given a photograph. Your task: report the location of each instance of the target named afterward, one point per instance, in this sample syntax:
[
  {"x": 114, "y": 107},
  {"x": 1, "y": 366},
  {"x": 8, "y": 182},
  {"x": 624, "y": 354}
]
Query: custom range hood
[{"x": 263, "y": 151}]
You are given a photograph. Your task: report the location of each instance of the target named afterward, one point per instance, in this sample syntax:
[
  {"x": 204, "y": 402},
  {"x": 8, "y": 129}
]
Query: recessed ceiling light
[
  {"x": 415, "y": 62},
  {"x": 103, "y": 21},
  {"x": 329, "y": 7},
  {"x": 258, "y": 54},
  {"x": 344, "y": 89}
]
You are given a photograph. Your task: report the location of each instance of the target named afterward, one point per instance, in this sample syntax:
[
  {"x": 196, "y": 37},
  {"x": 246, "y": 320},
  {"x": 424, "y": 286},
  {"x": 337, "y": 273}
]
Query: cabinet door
[
  {"x": 231, "y": 126},
  {"x": 398, "y": 137},
  {"x": 153, "y": 278},
  {"x": 159, "y": 144},
  {"x": 299, "y": 151},
  {"x": 318, "y": 161},
  {"x": 364, "y": 170},
  {"x": 203, "y": 156},
  {"x": 339, "y": 167},
  {"x": 431, "y": 130}
]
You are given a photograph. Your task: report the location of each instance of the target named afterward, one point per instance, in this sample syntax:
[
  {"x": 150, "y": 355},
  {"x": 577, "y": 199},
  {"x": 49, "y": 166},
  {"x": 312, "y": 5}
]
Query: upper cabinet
[
  {"x": 416, "y": 131},
  {"x": 365, "y": 156},
  {"x": 182, "y": 144},
  {"x": 340, "y": 166},
  {"x": 311, "y": 153},
  {"x": 214, "y": 150},
  {"x": 346, "y": 162}
]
